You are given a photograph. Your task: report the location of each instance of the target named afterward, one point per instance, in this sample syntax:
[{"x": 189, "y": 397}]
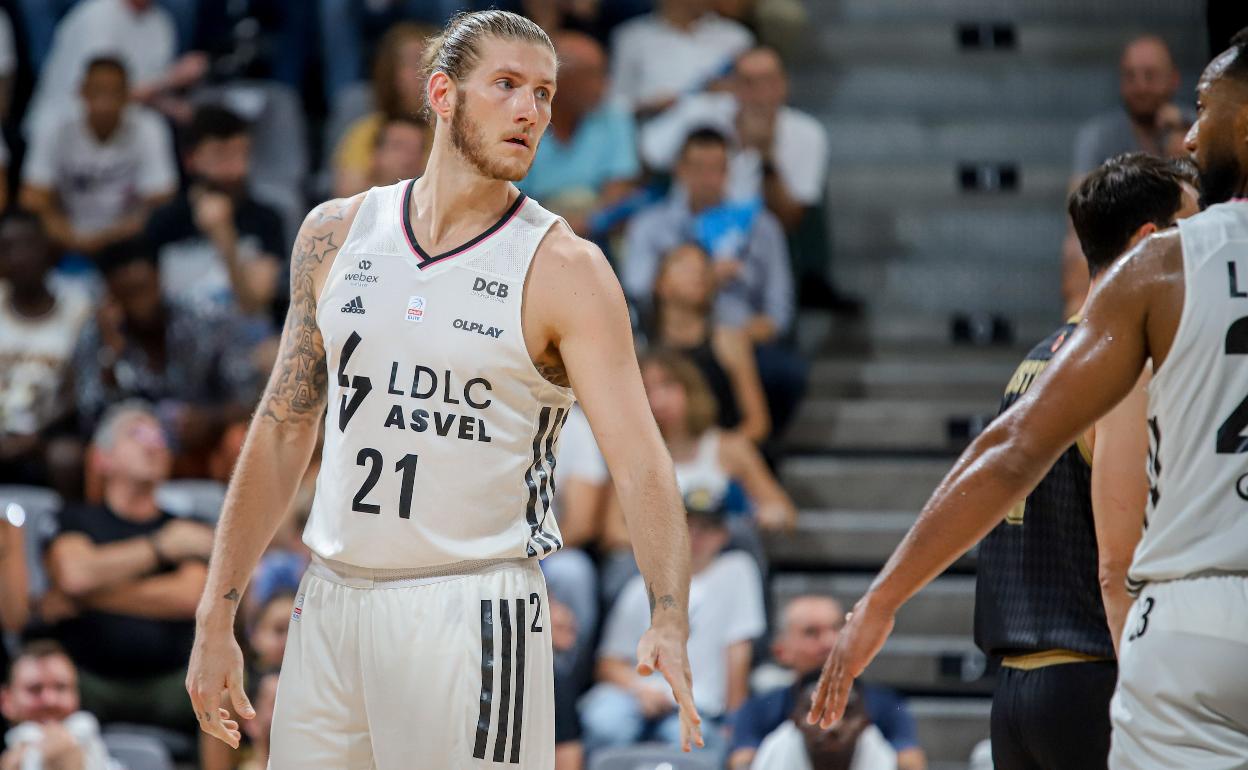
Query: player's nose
[{"x": 1193, "y": 135}]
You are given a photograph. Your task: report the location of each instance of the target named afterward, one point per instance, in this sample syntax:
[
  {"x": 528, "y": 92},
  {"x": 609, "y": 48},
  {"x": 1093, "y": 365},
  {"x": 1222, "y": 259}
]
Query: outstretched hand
[
  {"x": 866, "y": 629},
  {"x": 662, "y": 649}
]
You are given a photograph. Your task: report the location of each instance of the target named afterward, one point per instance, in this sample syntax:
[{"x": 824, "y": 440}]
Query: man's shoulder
[
  {"x": 719, "y": 26},
  {"x": 801, "y": 125},
  {"x": 734, "y": 565}
]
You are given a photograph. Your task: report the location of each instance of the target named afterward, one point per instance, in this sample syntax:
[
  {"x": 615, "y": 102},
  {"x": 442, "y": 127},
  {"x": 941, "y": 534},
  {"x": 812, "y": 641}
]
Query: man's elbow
[
  {"x": 1111, "y": 573},
  {"x": 75, "y": 581}
]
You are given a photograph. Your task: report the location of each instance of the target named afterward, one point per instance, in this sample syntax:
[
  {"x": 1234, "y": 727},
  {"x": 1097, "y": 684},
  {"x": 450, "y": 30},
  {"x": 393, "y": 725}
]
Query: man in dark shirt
[
  {"x": 126, "y": 578},
  {"x": 188, "y": 362},
  {"x": 217, "y": 245},
  {"x": 808, "y": 630}
]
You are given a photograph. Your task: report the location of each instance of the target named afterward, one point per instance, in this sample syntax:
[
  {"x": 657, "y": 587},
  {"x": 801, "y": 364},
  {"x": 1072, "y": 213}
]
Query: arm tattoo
[
  {"x": 666, "y": 601},
  {"x": 298, "y": 387},
  {"x": 332, "y": 211},
  {"x": 232, "y": 596}
]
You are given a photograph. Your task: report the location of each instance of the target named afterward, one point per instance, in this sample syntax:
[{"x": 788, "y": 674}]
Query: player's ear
[
  {"x": 442, "y": 94},
  {"x": 1145, "y": 230}
]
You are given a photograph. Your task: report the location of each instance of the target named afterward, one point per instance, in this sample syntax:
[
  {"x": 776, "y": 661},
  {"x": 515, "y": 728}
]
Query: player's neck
[{"x": 451, "y": 191}]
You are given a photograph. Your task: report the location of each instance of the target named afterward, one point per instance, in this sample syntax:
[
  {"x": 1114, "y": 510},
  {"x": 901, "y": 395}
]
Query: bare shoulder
[
  {"x": 322, "y": 233},
  {"x": 570, "y": 272},
  {"x": 1156, "y": 259}
]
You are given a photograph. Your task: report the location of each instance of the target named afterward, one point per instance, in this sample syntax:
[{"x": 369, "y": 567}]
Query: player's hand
[
  {"x": 653, "y": 701},
  {"x": 662, "y": 649},
  {"x": 216, "y": 667},
  {"x": 860, "y": 640}
]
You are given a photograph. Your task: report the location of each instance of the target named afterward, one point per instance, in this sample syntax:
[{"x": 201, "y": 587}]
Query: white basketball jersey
[
  {"x": 1198, "y": 413},
  {"x": 440, "y": 434}
]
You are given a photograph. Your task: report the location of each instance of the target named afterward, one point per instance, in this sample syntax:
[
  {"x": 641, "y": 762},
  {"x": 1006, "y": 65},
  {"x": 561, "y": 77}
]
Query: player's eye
[
  {"x": 543, "y": 94},
  {"x": 505, "y": 84}
]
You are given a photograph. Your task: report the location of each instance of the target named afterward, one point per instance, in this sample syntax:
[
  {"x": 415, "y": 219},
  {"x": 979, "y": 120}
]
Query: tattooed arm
[{"x": 275, "y": 455}]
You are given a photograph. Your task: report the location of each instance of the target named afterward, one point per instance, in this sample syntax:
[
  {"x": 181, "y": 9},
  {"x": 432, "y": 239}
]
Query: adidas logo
[{"x": 354, "y": 306}]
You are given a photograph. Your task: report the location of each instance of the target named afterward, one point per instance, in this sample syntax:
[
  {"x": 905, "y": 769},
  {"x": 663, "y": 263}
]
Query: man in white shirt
[
  {"x": 94, "y": 177},
  {"x": 725, "y": 616},
  {"x": 138, "y": 32},
  {"x": 679, "y": 49},
  {"x": 776, "y": 153},
  {"x": 851, "y": 744},
  {"x": 39, "y": 326}
]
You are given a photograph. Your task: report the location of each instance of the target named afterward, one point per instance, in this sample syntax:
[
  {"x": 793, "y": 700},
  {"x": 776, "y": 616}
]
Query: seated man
[
  {"x": 95, "y": 175},
  {"x": 40, "y": 698},
  {"x": 808, "y": 629},
  {"x": 126, "y": 578},
  {"x": 186, "y": 361},
  {"x": 725, "y": 616},
  {"x": 851, "y": 744},
  {"x": 217, "y": 245},
  {"x": 39, "y": 324},
  {"x": 400, "y": 152}
]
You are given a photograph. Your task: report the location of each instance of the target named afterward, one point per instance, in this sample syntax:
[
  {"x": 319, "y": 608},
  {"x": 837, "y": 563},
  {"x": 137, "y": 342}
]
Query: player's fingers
[
  {"x": 819, "y": 700},
  {"x": 841, "y": 682},
  {"x": 242, "y": 706},
  {"x": 690, "y": 730},
  {"x": 211, "y": 722},
  {"x": 647, "y": 659}
]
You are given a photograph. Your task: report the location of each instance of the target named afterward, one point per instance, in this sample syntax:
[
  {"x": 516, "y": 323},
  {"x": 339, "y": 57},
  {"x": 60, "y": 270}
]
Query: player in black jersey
[{"x": 1039, "y": 607}]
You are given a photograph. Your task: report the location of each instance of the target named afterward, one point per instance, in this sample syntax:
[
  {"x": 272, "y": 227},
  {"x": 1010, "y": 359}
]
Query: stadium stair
[{"x": 948, "y": 170}]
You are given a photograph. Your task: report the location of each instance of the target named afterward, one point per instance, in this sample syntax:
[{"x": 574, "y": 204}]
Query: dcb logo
[{"x": 492, "y": 288}]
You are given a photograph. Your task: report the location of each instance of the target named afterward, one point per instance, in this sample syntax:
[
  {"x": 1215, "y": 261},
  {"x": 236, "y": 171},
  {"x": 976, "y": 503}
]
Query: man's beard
[
  {"x": 467, "y": 139},
  {"x": 1220, "y": 179}
]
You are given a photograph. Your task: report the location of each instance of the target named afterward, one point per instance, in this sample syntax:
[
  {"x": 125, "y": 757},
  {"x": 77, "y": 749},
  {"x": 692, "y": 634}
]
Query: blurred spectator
[
  {"x": 777, "y": 153},
  {"x": 725, "y": 616},
  {"x": 398, "y": 91},
  {"x": 39, "y": 324},
  {"x": 853, "y": 743},
  {"x": 139, "y": 33},
  {"x": 40, "y": 696},
  {"x": 269, "y": 627},
  {"x": 587, "y": 159},
  {"x": 401, "y": 152},
  {"x": 1148, "y": 81},
  {"x": 189, "y": 363},
  {"x": 126, "y": 578},
  {"x": 263, "y": 697},
  {"x": 94, "y": 176},
  {"x": 1148, "y": 121},
  {"x": 684, "y": 293},
  {"x": 681, "y": 48},
  {"x": 808, "y": 629},
  {"x": 712, "y": 466},
  {"x": 217, "y": 246},
  {"x": 745, "y": 241}
]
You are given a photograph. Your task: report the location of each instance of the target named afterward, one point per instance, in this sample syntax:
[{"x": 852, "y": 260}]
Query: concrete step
[
  {"x": 894, "y": 137},
  {"x": 945, "y": 664},
  {"x": 949, "y": 728},
  {"x": 946, "y": 607},
  {"x": 968, "y": 89},
  {"x": 955, "y": 373},
  {"x": 973, "y": 285},
  {"x": 869, "y": 484},
  {"x": 875, "y": 424},
  {"x": 1135, "y": 12},
  {"x": 899, "y": 330},
  {"x": 843, "y": 539},
  {"x": 921, "y": 40},
  {"x": 855, "y": 187},
  {"x": 989, "y": 226}
]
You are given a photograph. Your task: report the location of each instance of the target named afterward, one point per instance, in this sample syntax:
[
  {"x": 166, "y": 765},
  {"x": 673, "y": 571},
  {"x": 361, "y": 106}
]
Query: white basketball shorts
[
  {"x": 1182, "y": 696},
  {"x": 391, "y": 672}
]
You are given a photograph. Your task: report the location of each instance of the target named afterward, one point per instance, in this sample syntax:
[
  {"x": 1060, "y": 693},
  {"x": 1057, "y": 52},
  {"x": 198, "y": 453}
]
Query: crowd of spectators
[{"x": 159, "y": 163}]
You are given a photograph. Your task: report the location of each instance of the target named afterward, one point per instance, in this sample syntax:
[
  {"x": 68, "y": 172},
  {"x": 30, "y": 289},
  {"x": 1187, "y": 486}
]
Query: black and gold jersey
[{"x": 1037, "y": 588}]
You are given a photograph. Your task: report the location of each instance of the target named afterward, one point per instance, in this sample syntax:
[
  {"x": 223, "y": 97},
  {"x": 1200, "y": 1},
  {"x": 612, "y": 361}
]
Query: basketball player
[
  {"x": 1181, "y": 299},
  {"x": 446, "y": 323},
  {"x": 1038, "y": 607}
]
